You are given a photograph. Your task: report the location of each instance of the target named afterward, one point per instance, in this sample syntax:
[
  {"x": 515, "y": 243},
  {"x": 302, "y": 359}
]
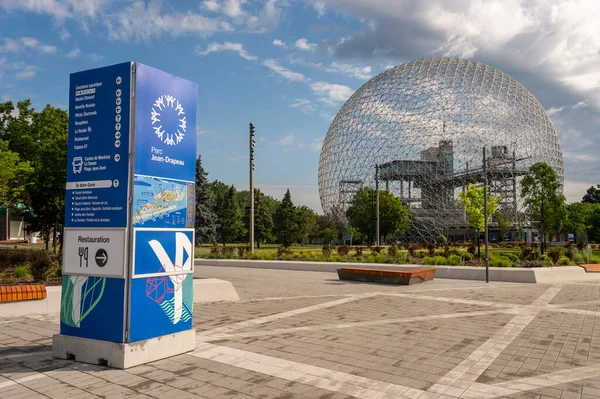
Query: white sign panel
[{"x": 94, "y": 252}]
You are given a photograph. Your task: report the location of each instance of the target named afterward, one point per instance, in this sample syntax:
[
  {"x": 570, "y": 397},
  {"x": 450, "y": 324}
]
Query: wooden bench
[
  {"x": 591, "y": 268},
  {"x": 402, "y": 277}
]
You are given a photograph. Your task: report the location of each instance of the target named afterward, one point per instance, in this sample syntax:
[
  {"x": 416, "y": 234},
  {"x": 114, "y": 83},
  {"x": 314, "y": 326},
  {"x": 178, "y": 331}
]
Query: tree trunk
[
  {"x": 258, "y": 244},
  {"x": 54, "y": 239}
]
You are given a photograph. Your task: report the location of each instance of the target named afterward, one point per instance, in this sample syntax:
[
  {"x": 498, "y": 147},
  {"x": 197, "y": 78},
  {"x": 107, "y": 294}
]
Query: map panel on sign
[{"x": 159, "y": 202}]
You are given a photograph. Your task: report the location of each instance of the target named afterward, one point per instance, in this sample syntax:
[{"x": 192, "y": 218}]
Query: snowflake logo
[{"x": 170, "y": 108}]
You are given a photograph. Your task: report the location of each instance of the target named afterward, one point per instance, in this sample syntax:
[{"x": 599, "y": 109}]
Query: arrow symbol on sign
[{"x": 101, "y": 257}]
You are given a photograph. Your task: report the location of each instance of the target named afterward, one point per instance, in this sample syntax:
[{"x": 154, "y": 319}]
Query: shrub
[
  {"x": 514, "y": 259},
  {"x": 343, "y": 250},
  {"x": 241, "y": 251},
  {"x": 564, "y": 260},
  {"x": 20, "y": 272},
  {"x": 530, "y": 253},
  {"x": 264, "y": 255},
  {"x": 472, "y": 249},
  {"x": 434, "y": 260},
  {"x": 569, "y": 253},
  {"x": 327, "y": 250},
  {"x": 500, "y": 261},
  {"x": 555, "y": 254},
  {"x": 594, "y": 260},
  {"x": 546, "y": 260},
  {"x": 281, "y": 251},
  {"x": 578, "y": 258},
  {"x": 411, "y": 250},
  {"x": 431, "y": 249},
  {"x": 466, "y": 256},
  {"x": 378, "y": 249},
  {"x": 454, "y": 260},
  {"x": 392, "y": 250},
  {"x": 41, "y": 265},
  {"x": 215, "y": 250},
  {"x": 359, "y": 250},
  {"x": 442, "y": 240},
  {"x": 420, "y": 254},
  {"x": 531, "y": 263},
  {"x": 580, "y": 246}
]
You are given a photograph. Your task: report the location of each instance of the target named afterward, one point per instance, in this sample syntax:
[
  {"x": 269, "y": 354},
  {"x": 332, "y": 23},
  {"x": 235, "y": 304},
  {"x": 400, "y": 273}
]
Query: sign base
[{"x": 122, "y": 356}]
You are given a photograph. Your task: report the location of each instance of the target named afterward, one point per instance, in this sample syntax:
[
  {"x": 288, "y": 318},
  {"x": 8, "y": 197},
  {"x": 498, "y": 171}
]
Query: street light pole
[
  {"x": 377, "y": 205},
  {"x": 485, "y": 216},
  {"x": 252, "y": 143}
]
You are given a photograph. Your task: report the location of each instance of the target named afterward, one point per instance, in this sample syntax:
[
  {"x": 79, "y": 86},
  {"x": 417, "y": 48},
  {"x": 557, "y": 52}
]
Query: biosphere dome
[{"x": 425, "y": 123}]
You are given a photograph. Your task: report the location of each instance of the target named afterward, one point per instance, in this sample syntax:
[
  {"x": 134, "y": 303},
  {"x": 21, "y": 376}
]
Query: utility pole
[
  {"x": 377, "y": 205},
  {"x": 485, "y": 216},
  {"x": 252, "y": 143}
]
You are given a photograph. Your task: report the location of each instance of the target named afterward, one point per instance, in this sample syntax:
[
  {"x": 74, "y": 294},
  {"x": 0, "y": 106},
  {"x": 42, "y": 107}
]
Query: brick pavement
[{"x": 477, "y": 341}]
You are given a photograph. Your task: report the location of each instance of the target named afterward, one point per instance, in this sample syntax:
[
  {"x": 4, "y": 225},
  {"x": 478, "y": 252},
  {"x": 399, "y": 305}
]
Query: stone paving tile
[
  {"x": 577, "y": 293},
  {"x": 213, "y": 315},
  {"x": 369, "y": 309},
  {"x": 512, "y": 294}
]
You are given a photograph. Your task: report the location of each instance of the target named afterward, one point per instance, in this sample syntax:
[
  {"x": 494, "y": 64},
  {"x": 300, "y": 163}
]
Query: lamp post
[
  {"x": 485, "y": 216},
  {"x": 377, "y": 205},
  {"x": 252, "y": 144}
]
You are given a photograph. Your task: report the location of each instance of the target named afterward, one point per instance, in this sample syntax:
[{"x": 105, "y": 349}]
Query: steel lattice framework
[{"x": 425, "y": 123}]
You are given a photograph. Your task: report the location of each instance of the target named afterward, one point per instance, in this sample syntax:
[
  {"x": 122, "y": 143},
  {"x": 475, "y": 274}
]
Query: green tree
[
  {"x": 592, "y": 195},
  {"x": 546, "y": 208},
  {"x": 287, "y": 228},
  {"x": 230, "y": 217},
  {"x": 579, "y": 219},
  {"x": 472, "y": 200},
  {"x": 329, "y": 234},
  {"x": 307, "y": 222},
  {"x": 206, "y": 219},
  {"x": 40, "y": 138},
  {"x": 263, "y": 219},
  {"x": 14, "y": 174},
  {"x": 393, "y": 216},
  {"x": 504, "y": 224}
]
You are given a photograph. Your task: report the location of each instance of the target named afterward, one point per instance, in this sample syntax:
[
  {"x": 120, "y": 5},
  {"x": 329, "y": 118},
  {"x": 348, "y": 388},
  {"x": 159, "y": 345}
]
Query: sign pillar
[{"x": 130, "y": 201}]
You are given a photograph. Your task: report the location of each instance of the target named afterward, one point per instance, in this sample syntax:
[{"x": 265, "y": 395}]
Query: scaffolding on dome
[{"x": 425, "y": 124}]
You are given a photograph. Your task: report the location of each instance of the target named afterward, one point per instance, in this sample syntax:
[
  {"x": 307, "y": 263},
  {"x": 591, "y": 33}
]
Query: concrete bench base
[{"x": 401, "y": 277}]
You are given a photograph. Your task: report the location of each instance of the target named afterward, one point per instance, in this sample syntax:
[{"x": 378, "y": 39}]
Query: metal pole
[
  {"x": 377, "y": 205},
  {"x": 251, "y": 187},
  {"x": 485, "y": 216}
]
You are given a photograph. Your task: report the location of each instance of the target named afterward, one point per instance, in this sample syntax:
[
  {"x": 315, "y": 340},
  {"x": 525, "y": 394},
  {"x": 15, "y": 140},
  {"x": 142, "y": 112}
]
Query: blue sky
[{"x": 288, "y": 66}]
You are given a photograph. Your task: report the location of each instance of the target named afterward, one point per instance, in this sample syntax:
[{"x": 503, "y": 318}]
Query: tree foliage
[
  {"x": 230, "y": 218},
  {"x": 472, "y": 200},
  {"x": 14, "y": 173},
  {"x": 545, "y": 206},
  {"x": 287, "y": 226},
  {"x": 504, "y": 224},
  {"x": 592, "y": 195},
  {"x": 393, "y": 216},
  {"x": 39, "y": 138},
  {"x": 206, "y": 220}
]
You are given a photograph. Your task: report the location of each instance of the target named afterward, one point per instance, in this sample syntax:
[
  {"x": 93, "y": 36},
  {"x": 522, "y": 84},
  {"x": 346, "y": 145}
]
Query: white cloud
[
  {"x": 350, "y": 70},
  {"x": 554, "y": 110},
  {"x": 320, "y": 7},
  {"x": 27, "y": 72},
  {"x": 64, "y": 34},
  {"x": 76, "y": 52},
  {"x": 283, "y": 71},
  {"x": 233, "y": 8},
  {"x": 96, "y": 57},
  {"x": 278, "y": 43},
  {"x": 582, "y": 104},
  {"x": 303, "y": 105},
  {"x": 15, "y": 45},
  {"x": 146, "y": 21},
  {"x": 316, "y": 144},
  {"x": 331, "y": 93},
  {"x": 304, "y": 45},
  {"x": 227, "y": 46},
  {"x": 211, "y": 5},
  {"x": 287, "y": 142}
]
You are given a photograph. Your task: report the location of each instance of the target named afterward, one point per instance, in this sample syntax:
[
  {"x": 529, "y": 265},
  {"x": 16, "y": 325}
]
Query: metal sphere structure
[{"x": 425, "y": 123}]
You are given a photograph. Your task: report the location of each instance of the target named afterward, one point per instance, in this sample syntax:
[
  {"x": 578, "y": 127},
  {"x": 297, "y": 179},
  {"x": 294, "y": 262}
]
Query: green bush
[
  {"x": 578, "y": 258},
  {"x": 359, "y": 250},
  {"x": 420, "y": 254},
  {"x": 594, "y": 260},
  {"x": 513, "y": 258},
  {"x": 20, "y": 272},
  {"x": 327, "y": 250},
  {"x": 434, "y": 260},
  {"x": 454, "y": 260},
  {"x": 565, "y": 261},
  {"x": 546, "y": 260},
  {"x": 500, "y": 261},
  {"x": 264, "y": 255},
  {"x": 41, "y": 266},
  {"x": 343, "y": 250}
]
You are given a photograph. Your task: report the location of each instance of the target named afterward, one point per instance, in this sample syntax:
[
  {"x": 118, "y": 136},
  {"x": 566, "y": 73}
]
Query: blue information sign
[
  {"x": 97, "y": 161},
  {"x": 102, "y": 215}
]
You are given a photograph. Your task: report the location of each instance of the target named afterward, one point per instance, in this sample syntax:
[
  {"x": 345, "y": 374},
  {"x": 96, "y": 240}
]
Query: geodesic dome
[{"x": 425, "y": 123}]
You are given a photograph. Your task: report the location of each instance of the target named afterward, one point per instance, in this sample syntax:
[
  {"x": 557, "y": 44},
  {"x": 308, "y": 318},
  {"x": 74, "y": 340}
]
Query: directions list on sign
[{"x": 97, "y": 169}]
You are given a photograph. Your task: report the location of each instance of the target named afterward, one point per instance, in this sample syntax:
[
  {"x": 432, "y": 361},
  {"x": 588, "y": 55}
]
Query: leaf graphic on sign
[{"x": 89, "y": 291}]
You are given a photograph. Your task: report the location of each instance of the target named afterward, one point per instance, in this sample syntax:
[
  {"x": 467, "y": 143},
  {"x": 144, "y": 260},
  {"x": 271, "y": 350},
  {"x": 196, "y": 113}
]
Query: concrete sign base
[{"x": 122, "y": 356}]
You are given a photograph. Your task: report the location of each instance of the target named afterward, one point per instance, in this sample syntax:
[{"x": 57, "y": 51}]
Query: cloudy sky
[{"x": 289, "y": 65}]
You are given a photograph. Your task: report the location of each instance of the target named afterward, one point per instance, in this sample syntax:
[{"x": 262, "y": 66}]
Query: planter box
[{"x": 12, "y": 293}]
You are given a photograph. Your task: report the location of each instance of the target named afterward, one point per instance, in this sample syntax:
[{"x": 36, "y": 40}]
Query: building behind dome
[{"x": 425, "y": 124}]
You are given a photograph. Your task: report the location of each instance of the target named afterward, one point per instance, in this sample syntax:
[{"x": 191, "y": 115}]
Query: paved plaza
[{"x": 307, "y": 335}]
